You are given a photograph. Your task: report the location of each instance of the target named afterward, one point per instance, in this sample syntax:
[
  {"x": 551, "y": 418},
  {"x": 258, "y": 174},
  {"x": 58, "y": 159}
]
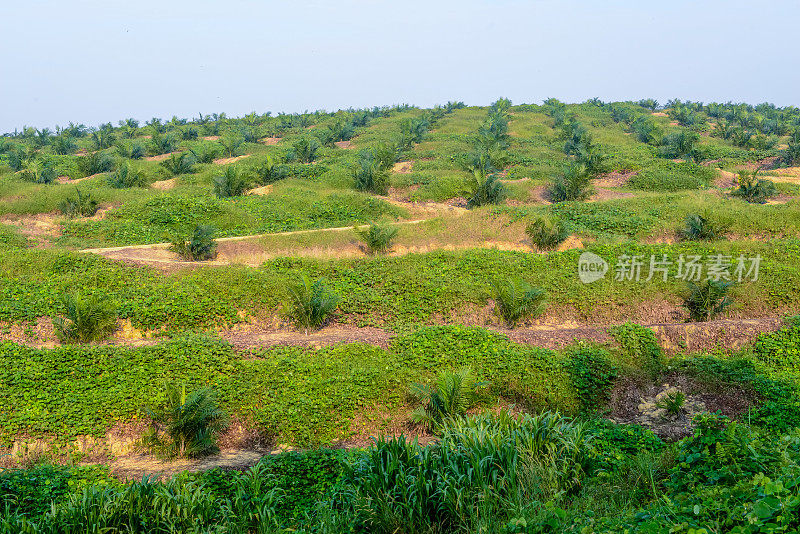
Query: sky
[{"x": 95, "y": 61}]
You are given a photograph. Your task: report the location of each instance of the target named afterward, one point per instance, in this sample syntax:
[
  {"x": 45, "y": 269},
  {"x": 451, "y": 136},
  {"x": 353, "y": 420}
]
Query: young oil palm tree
[
  {"x": 453, "y": 393},
  {"x": 309, "y": 304},
  {"x": 516, "y": 299},
  {"x": 85, "y": 319}
]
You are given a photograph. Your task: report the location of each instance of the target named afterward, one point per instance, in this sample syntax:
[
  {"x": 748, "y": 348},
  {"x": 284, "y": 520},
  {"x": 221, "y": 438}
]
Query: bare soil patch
[
  {"x": 344, "y": 144},
  {"x": 659, "y": 114},
  {"x": 66, "y": 180},
  {"x": 225, "y": 161},
  {"x": 210, "y": 138},
  {"x": 541, "y": 194},
  {"x": 270, "y": 141},
  {"x": 40, "y": 226},
  {"x": 263, "y": 190},
  {"x": 162, "y": 157},
  {"x": 602, "y": 193},
  {"x": 402, "y": 167},
  {"x": 165, "y": 185},
  {"x": 614, "y": 179}
]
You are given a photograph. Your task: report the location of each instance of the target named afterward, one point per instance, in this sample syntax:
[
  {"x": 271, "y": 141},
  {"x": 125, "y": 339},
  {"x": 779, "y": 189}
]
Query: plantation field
[{"x": 398, "y": 297}]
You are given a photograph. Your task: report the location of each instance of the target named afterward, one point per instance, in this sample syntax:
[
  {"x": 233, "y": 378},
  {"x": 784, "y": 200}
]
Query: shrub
[
  {"x": 79, "y": 205},
  {"x": 130, "y": 150},
  {"x": 455, "y": 392},
  {"x": 94, "y": 163},
  {"x": 515, "y": 299},
  {"x": 546, "y": 233},
  {"x": 707, "y": 300},
  {"x": 177, "y": 164},
  {"x": 39, "y": 172},
  {"x": 573, "y": 184},
  {"x": 592, "y": 374},
  {"x": 231, "y": 183},
  {"x": 377, "y": 237},
  {"x": 187, "y": 426},
  {"x": 699, "y": 228},
  {"x": 792, "y": 154},
  {"x": 369, "y": 174},
  {"x": 270, "y": 171},
  {"x": 201, "y": 247},
  {"x": 756, "y": 191},
  {"x": 304, "y": 150},
  {"x": 85, "y": 319},
  {"x": 161, "y": 144},
  {"x": 126, "y": 176},
  {"x": 309, "y": 304}
]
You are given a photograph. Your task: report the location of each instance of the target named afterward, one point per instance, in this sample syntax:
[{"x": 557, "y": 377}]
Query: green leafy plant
[
  {"x": 205, "y": 153},
  {"x": 304, "y": 150},
  {"x": 484, "y": 182},
  {"x": 39, "y": 172},
  {"x": 178, "y": 164},
  {"x": 370, "y": 175},
  {"x": 187, "y": 426},
  {"x": 200, "y": 247},
  {"x": 309, "y": 304},
  {"x": 78, "y": 206},
  {"x": 699, "y": 228},
  {"x": 270, "y": 170},
  {"x": 592, "y": 373},
  {"x": 753, "y": 189},
  {"x": 231, "y": 183},
  {"x": 707, "y": 300},
  {"x": 94, "y": 163},
  {"x": 127, "y": 176},
  {"x": 130, "y": 150},
  {"x": 231, "y": 142},
  {"x": 161, "y": 143},
  {"x": 674, "y": 403},
  {"x": 85, "y": 319},
  {"x": 547, "y": 232},
  {"x": 516, "y": 299},
  {"x": 453, "y": 394},
  {"x": 377, "y": 237},
  {"x": 573, "y": 184}
]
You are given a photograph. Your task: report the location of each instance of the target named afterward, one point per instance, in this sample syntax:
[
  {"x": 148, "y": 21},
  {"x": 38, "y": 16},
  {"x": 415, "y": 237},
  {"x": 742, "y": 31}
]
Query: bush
[
  {"x": 201, "y": 247},
  {"x": 707, "y": 300},
  {"x": 304, "y": 150},
  {"x": 573, "y": 184},
  {"x": 79, "y": 205},
  {"x": 94, "y": 163},
  {"x": 187, "y": 426},
  {"x": 309, "y": 304},
  {"x": 516, "y": 299},
  {"x": 546, "y": 233},
  {"x": 455, "y": 392},
  {"x": 377, "y": 237},
  {"x": 485, "y": 183},
  {"x": 698, "y": 228},
  {"x": 751, "y": 189},
  {"x": 178, "y": 164},
  {"x": 592, "y": 374},
  {"x": 126, "y": 176},
  {"x": 85, "y": 319},
  {"x": 231, "y": 183},
  {"x": 679, "y": 145}
]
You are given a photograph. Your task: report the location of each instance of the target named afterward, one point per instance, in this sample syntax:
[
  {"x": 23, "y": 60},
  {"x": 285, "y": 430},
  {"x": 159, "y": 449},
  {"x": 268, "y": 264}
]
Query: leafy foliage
[
  {"x": 547, "y": 232},
  {"x": 231, "y": 183},
  {"x": 707, "y": 299},
  {"x": 85, "y": 319},
  {"x": 127, "y": 176},
  {"x": 178, "y": 164},
  {"x": 699, "y": 228},
  {"x": 755, "y": 190},
  {"x": 573, "y": 184},
  {"x": 593, "y": 374},
  {"x": 454, "y": 393},
  {"x": 309, "y": 304},
  {"x": 200, "y": 247},
  {"x": 516, "y": 299},
  {"x": 81, "y": 205},
  {"x": 377, "y": 237}
]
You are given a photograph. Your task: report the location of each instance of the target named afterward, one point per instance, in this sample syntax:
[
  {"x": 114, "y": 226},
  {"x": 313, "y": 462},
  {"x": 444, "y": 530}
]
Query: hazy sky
[{"x": 95, "y": 61}]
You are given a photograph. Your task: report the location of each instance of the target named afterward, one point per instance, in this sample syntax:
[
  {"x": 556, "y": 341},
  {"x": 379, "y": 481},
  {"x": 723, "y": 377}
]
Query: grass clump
[
  {"x": 707, "y": 300},
  {"x": 187, "y": 426},
  {"x": 309, "y": 304},
  {"x": 454, "y": 393},
  {"x": 377, "y": 237},
  {"x": 516, "y": 299},
  {"x": 85, "y": 319},
  {"x": 200, "y": 247},
  {"x": 546, "y": 233}
]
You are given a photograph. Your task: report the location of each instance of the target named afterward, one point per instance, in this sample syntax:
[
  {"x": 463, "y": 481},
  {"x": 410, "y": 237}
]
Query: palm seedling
[
  {"x": 309, "y": 304},
  {"x": 573, "y": 184},
  {"x": 94, "y": 163},
  {"x": 369, "y": 174},
  {"x": 78, "y": 206},
  {"x": 230, "y": 143},
  {"x": 205, "y": 153},
  {"x": 516, "y": 299},
  {"x": 130, "y": 150},
  {"x": 189, "y": 133},
  {"x": 699, "y": 228},
  {"x": 63, "y": 145},
  {"x": 231, "y": 183},
  {"x": 200, "y": 247},
  {"x": 485, "y": 183},
  {"x": 126, "y": 176},
  {"x": 377, "y": 237},
  {"x": 270, "y": 171},
  {"x": 304, "y": 150},
  {"x": 102, "y": 139},
  {"x": 547, "y": 232},
  {"x": 707, "y": 300},
  {"x": 753, "y": 189},
  {"x": 453, "y": 394},
  {"x": 178, "y": 164},
  {"x": 679, "y": 145},
  {"x": 674, "y": 403},
  {"x": 85, "y": 319},
  {"x": 161, "y": 144},
  {"x": 39, "y": 172},
  {"x": 187, "y": 426}
]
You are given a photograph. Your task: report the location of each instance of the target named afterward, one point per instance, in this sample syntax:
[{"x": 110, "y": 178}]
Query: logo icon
[{"x": 591, "y": 267}]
